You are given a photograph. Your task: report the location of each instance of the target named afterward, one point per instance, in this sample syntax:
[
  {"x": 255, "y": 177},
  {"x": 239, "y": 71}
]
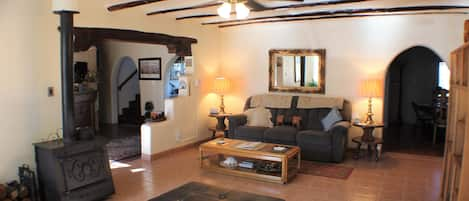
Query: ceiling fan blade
[{"x": 255, "y": 6}]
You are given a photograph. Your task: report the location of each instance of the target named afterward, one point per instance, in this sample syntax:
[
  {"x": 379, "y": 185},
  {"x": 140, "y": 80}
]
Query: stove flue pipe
[{"x": 66, "y": 9}]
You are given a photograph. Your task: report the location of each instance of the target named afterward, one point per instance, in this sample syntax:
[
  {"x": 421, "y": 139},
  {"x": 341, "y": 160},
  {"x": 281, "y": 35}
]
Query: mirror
[{"x": 298, "y": 70}]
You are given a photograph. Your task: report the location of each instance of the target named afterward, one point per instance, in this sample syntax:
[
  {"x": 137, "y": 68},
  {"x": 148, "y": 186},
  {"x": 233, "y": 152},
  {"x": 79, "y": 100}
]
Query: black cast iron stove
[{"x": 72, "y": 169}]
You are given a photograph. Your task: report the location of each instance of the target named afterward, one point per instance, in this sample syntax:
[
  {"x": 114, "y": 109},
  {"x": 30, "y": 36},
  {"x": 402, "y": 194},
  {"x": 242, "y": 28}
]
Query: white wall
[
  {"x": 18, "y": 105},
  {"x": 356, "y": 49}
]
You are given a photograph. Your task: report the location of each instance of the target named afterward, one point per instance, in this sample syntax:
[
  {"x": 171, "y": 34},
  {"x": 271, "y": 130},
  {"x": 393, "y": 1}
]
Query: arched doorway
[
  {"x": 411, "y": 82},
  {"x": 127, "y": 92},
  {"x": 174, "y": 70}
]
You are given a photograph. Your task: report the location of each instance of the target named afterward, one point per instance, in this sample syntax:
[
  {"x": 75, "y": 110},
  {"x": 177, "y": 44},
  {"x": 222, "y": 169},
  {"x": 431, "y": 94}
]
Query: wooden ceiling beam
[
  {"x": 336, "y": 17},
  {"x": 185, "y": 8},
  {"x": 346, "y": 11},
  {"x": 86, "y": 37},
  {"x": 322, "y": 3},
  {"x": 120, "y": 6}
]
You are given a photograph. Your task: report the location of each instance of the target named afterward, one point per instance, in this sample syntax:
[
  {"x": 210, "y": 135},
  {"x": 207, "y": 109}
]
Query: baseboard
[{"x": 147, "y": 157}]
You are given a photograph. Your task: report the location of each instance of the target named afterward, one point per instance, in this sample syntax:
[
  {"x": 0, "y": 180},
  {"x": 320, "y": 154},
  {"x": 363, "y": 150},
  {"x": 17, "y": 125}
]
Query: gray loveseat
[{"x": 315, "y": 143}]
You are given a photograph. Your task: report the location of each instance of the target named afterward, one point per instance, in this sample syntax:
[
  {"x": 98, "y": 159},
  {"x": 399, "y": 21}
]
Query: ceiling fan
[{"x": 242, "y": 7}]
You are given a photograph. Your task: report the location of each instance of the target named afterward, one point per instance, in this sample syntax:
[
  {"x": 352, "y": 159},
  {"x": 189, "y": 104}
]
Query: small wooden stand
[{"x": 368, "y": 139}]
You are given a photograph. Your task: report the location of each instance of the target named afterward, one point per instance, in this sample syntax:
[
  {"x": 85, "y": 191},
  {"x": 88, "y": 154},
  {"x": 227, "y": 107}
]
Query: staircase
[{"x": 132, "y": 115}]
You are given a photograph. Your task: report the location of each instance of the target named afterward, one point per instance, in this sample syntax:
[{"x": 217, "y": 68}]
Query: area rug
[
  {"x": 325, "y": 170},
  {"x": 123, "y": 148},
  {"x": 195, "y": 191}
]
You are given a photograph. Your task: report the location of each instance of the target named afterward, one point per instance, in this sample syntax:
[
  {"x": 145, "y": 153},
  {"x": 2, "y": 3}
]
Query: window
[
  {"x": 443, "y": 76},
  {"x": 175, "y": 71}
]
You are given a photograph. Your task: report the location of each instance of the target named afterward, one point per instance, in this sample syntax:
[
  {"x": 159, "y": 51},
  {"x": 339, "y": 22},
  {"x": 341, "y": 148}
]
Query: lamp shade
[
  {"x": 371, "y": 88},
  {"x": 221, "y": 85}
]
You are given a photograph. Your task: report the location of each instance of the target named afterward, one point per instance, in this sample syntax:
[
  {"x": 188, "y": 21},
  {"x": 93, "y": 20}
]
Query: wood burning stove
[
  {"x": 77, "y": 171},
  {"x": 72, "y": 169}
]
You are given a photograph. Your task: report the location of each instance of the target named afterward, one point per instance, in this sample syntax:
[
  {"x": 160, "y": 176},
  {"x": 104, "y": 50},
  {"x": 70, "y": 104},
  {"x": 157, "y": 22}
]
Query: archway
[
  {"x": 411, "y": 80},
  {"x": 174, "y": 69},
  {"x": 126, "y": 92}
]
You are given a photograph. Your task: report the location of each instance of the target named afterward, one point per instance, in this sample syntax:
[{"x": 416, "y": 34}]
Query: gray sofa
[{"x": 315, "y": 143}]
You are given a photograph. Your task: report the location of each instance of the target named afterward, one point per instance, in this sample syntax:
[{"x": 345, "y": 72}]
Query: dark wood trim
[
  {"x": 184, "y": 8},
  {"x": 466, "y": 31},
  {"x": 280, "y": 7},
  {"x": 196, "y": 16},
  {"x": 322, "y": 70},
  {"x": 120, "y": 6},
  {"x": 87, "y": 37},
  {"x": 336, "y": 17},
  {"x": 345, "y": 11},
  {"x": 127, "y": 80},
  {"x": 165, "y": 153}
]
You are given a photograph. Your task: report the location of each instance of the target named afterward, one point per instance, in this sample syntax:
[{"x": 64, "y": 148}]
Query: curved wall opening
[
  {"x": 126, "y": 92},
  {"x": 412, "y": 79}
]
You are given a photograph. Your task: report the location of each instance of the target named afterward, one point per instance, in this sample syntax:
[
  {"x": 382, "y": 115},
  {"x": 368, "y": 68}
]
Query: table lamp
[
  {"x": 221, "y": 86},
  {"x": 371, "y": 89}
]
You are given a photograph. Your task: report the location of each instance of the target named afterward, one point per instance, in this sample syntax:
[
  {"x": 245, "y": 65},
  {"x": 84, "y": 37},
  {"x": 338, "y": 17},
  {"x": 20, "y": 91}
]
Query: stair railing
[{"x": 126, "y": 80}]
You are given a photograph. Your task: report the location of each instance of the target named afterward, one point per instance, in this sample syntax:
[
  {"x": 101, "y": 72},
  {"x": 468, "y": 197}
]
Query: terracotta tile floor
[{"x": 397, "y": 177}]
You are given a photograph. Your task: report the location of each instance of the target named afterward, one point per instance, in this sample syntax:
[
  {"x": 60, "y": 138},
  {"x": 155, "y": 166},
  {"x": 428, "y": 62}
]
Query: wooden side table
[
  {"x": 376, "y": 144},
  {"x": 368, "y": 139},
  {"x": 221, "y": 126},
  {"x": 215, "y": 131},
  {"x": 220, "y": 120}
]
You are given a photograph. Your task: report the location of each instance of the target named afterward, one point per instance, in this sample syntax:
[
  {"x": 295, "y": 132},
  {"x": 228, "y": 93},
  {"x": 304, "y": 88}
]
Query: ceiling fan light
[
  {"x": 242, "y": 12},
  {"x": 224, "y": 10}
]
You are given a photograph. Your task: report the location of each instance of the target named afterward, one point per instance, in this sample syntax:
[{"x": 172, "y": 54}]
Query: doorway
[
  {"x": 413, "y": 81},
  {"x": 127, "y": 93}
]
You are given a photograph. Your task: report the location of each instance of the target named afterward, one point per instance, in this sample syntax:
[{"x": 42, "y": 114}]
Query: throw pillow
[
  {"x": 296, "y": 121},
  {"x": 330, "y": 119},
  {"x": 280, "y": 120},
  {"x": 259, "y": 117}
]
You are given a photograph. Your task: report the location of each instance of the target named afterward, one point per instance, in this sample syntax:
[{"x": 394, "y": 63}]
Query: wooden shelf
[{"x": 251, "y": 173}]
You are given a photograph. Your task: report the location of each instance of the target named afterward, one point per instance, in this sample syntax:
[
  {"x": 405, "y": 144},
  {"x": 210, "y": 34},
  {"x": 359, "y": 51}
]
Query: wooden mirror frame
[{"x": 321, "y": 89}]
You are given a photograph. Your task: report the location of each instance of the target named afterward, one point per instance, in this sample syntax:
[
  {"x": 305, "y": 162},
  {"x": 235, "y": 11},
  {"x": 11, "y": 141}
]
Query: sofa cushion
[
  {"x": 251, "y": 133},
  {"x": 314, "y": 117},
  {"x": 259, "y": 117},
  {"x": 314, "y": 137},
  {"x": 331, "y": 118},
  {"x": 281, "y": 135}
]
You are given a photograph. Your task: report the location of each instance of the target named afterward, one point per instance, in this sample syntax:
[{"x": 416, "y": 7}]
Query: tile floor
[{"x": 397, "y": 177}]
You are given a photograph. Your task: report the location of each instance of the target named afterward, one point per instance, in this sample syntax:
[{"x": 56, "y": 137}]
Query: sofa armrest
[
  {"x": 339, "y": 132},
  {"x": 235, "y": 121}
]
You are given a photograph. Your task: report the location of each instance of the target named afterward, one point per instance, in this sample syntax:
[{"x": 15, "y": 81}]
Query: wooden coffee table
[{"x": 212, "y": 153}]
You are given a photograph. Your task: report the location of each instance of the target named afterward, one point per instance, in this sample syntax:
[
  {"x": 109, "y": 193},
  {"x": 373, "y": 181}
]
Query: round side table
[
  {"x": 220, "y": 120},
  {"x": 376, "y": 144},
  {"x": 368, "y": 139},
  {"x": 221, "y": 126}
]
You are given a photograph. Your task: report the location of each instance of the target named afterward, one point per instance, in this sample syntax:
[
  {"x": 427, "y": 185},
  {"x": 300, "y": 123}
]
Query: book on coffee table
[{"x": 250, "y": 145}]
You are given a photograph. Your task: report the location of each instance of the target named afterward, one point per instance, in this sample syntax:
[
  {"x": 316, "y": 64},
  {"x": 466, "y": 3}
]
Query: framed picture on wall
[
  {"x": 189, "y": 64},
  {"x": 149, "y": 69}
]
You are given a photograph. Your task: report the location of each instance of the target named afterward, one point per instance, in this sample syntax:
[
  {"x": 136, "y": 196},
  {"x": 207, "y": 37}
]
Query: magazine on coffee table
[{"x": 250, "y": 145}]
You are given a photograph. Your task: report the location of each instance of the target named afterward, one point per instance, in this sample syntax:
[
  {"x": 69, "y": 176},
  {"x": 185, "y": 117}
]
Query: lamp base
[
  {"x": 222, "y": 105},
  {"x": 369, "y": 115}
]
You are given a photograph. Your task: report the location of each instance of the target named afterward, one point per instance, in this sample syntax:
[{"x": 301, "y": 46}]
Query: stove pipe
[{"x": 66, "y": 57}]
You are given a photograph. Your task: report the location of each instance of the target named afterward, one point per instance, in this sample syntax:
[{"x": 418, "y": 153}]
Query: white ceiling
[{"x": 172, "y": 4}]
